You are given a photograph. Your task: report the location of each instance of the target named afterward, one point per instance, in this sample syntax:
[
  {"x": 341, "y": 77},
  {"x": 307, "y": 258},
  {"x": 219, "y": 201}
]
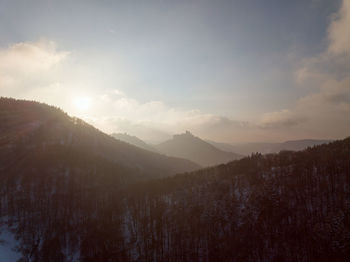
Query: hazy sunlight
[{"x": 82, "y": 103}]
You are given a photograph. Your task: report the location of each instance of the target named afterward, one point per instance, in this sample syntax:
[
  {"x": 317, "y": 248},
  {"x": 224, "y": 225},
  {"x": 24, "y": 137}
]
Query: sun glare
[{"x": 82, "y": 103}]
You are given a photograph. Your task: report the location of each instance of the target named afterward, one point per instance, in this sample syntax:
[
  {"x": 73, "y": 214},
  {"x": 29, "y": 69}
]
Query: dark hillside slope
[
  {"x": 63, "y": 182},
  {"x": 291, "y": 206}
]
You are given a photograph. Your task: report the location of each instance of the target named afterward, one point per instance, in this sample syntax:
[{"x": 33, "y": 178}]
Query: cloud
[
  {"x": 39, "y": 71},
  {"x": 42, "y": 72},
  {"x": 153, "y": 120},
  {"x": 28, "y": 65},
  {"x": 30, "y": 57},
  {"x": 334, "y": 61},
  {"x": 339, "y": 31},
  {"x": 281, "y": 119},
  {"x": 326, "y": 111}
]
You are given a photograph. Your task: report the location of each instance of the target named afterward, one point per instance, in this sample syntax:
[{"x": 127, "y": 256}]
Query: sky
[{"x": 228, "y": 71}]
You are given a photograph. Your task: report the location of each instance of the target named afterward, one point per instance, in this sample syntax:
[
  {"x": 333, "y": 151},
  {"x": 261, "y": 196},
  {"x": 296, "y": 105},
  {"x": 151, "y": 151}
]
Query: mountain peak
[
  {"x": 191, "y": 147},
  {"x": 187, "y": 134}
]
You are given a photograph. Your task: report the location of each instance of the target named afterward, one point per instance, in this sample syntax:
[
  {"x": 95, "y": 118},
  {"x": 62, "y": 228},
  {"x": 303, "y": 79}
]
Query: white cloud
[
  {"x": 281, "y": 119},
  {"x": 28, "y": 65},
  {"x": 30, "y": 57},
  {"x": 324, "y": 113},
  {"x": 339, "y": 31}
]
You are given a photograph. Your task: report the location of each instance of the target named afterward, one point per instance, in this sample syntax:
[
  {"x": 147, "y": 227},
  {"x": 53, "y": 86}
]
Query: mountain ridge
[
  {"x": 266, "y": 147},
  {"x": 134, "y": 140},
  {"x": 188, "y": 146},
  {"x": 38, "y": 125}
]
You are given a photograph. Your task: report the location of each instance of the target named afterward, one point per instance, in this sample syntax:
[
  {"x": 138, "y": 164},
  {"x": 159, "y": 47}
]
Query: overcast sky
[{"x": 230, "y": 71}]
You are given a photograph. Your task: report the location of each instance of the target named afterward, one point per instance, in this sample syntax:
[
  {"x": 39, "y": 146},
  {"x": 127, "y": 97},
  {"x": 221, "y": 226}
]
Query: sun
[{"x": 82, "y": 103}]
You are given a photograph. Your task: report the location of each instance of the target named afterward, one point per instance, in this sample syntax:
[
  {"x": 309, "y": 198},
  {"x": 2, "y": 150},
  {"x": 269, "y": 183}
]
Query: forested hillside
[
  {"x": 60, "y": 176},
  {"x": 291, "y": 206},
  {"x": 68, "y": 203},
  {"x": 286, "y": 207}
]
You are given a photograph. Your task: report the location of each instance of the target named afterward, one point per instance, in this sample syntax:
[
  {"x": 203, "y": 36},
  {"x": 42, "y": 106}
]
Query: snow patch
[{"x": 8, "y": 243}]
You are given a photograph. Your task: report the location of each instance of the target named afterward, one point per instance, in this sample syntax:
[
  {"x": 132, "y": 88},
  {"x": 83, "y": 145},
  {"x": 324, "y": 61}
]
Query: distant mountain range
[
  {"x": 133, "y": 140},
  {"x": 195, "y": 149},
  {"x": 265, "y": 148},
  {"x": 211, "y": 153}
]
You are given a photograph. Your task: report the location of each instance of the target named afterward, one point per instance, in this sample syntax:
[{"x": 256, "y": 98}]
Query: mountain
[
  {"x": 195, "y": 149},
  {"x": 70, "y": 205},
  {"x": 266, "y": 148},
  {"x": 30, "y": 128},
  {"x": 133, "y": 140}
]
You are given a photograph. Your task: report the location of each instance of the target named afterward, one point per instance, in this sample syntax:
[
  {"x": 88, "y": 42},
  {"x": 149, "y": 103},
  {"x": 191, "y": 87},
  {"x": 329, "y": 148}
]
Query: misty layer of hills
[
  {"x": 185, "y": 146},
  {"x": 133, "y": 140},
  {"x": 208, "y": 153},
  {"x": 71, "y": 193},
  {"x": 267, "y": 148},
  {"x": 195, "y": 149}
]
